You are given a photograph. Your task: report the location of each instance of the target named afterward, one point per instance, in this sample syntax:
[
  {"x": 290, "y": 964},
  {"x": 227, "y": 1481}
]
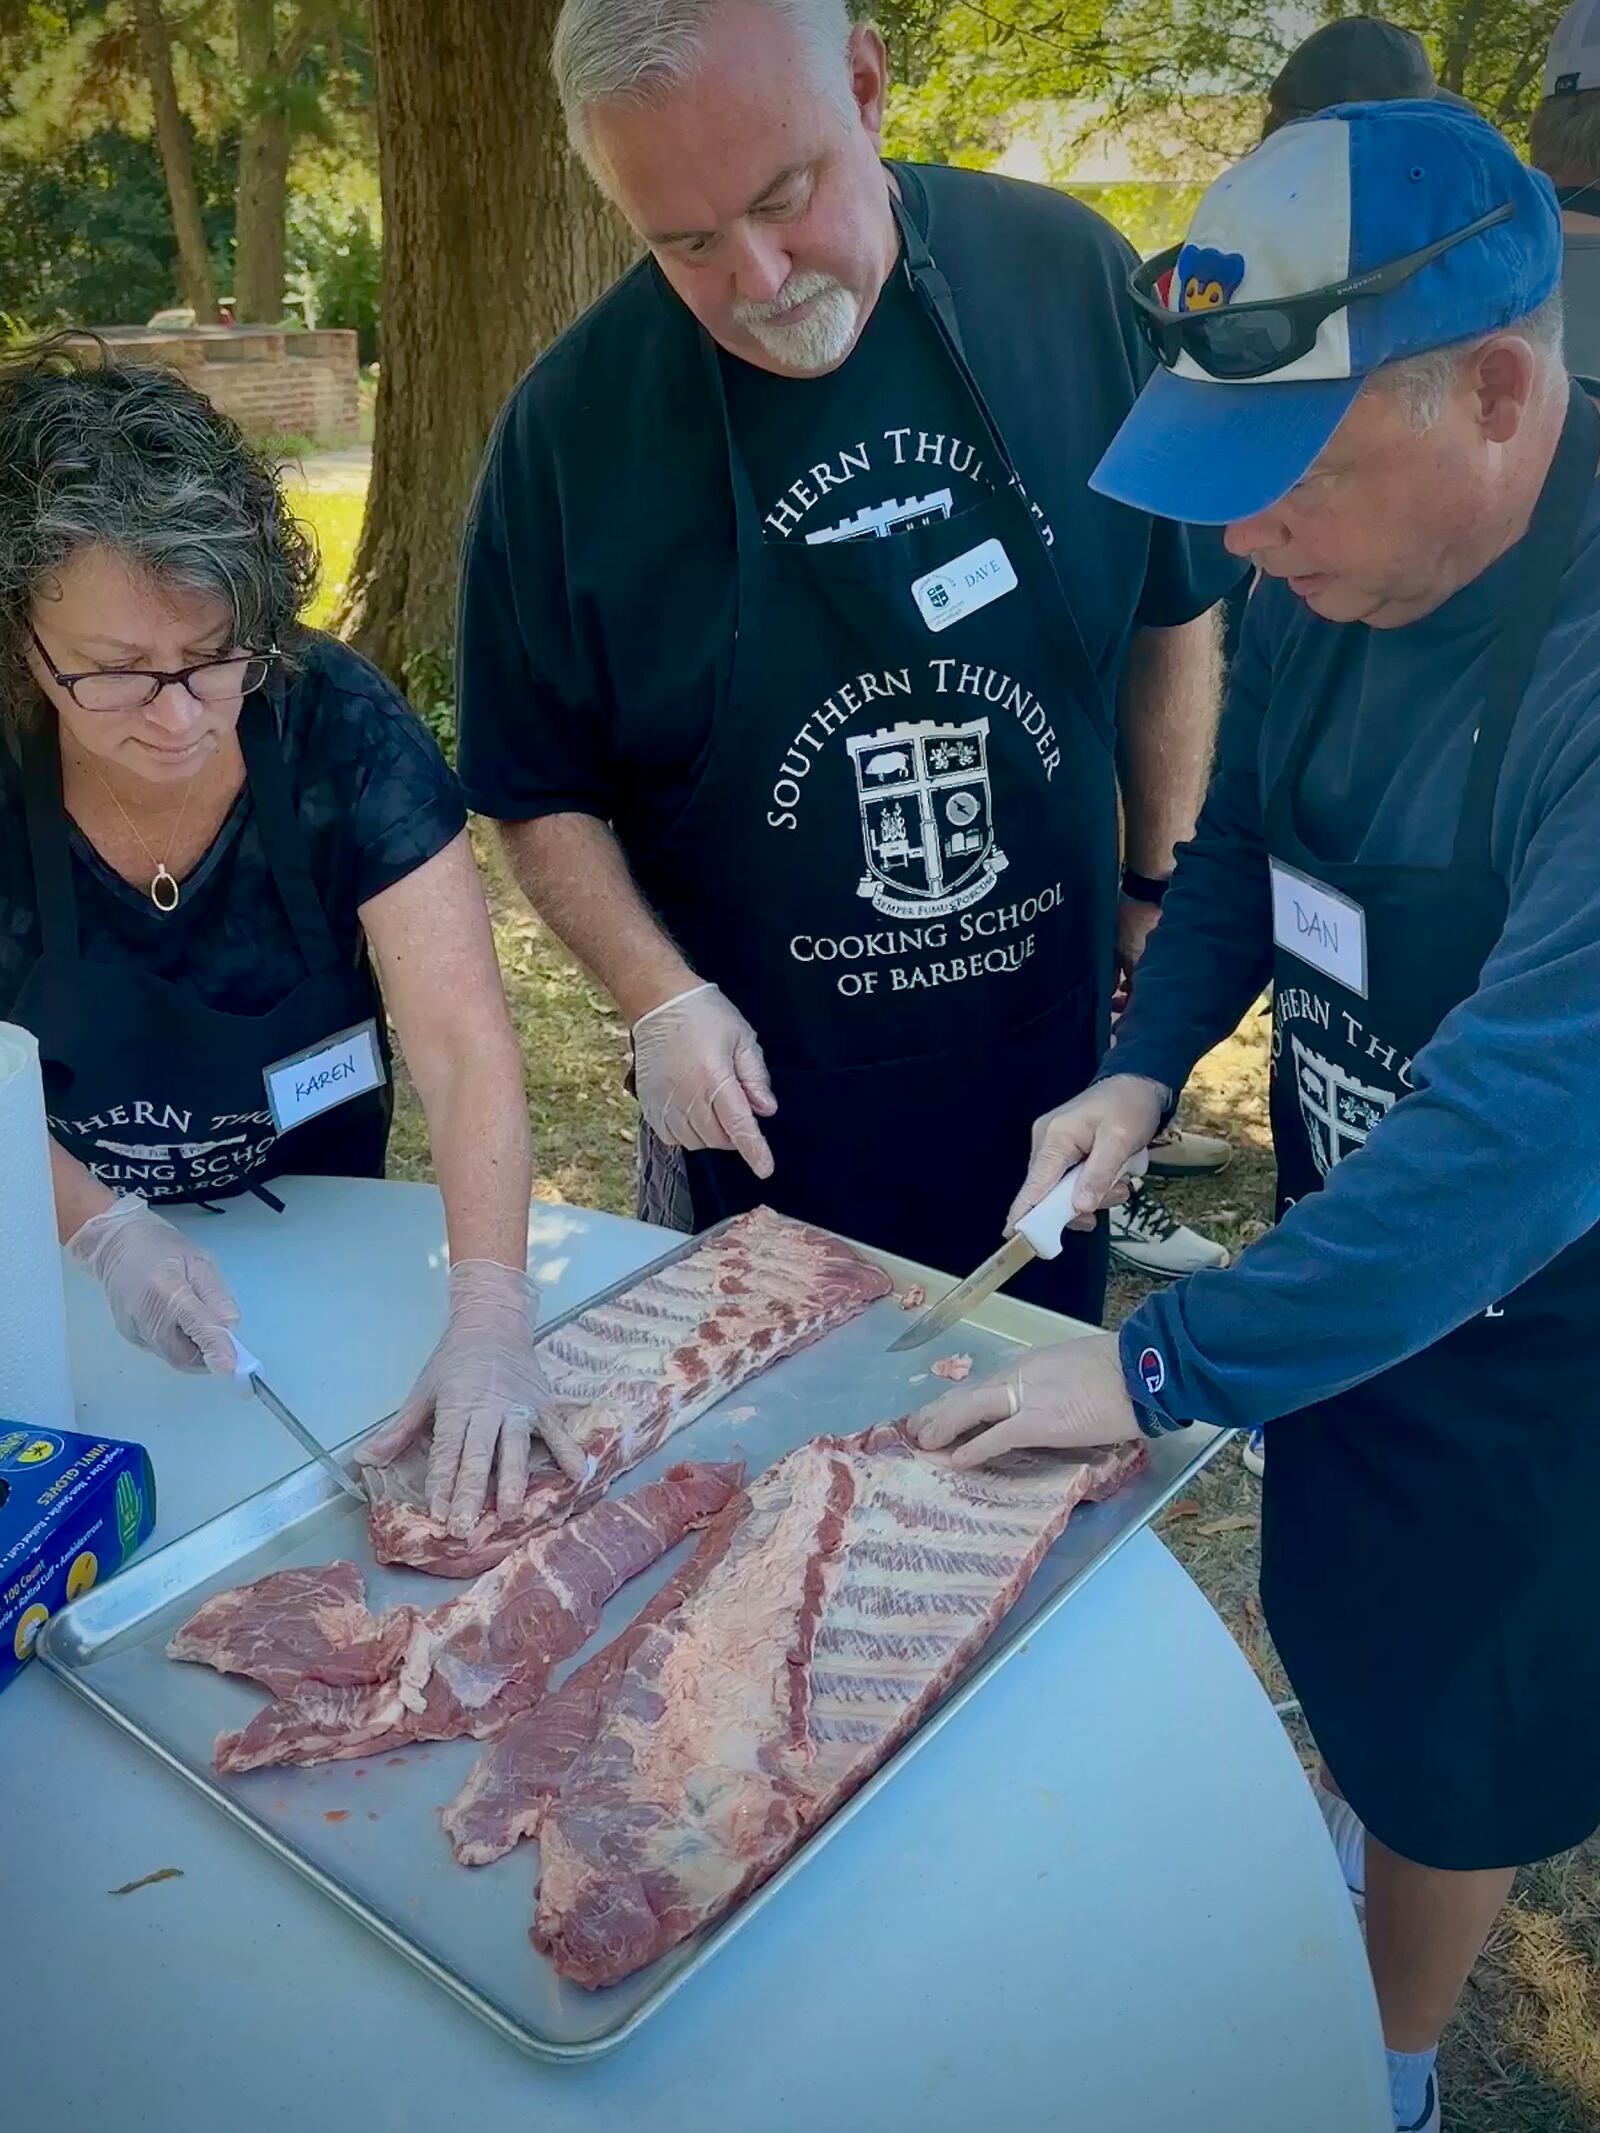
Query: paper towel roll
[{"x": 35, "y": 1383}]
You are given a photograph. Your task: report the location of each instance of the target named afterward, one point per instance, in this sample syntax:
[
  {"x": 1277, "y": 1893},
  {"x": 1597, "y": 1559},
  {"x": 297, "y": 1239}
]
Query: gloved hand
[
  {"x": 1068, "y": 1398},
  {"x": 1110, "y": 1121},
  {"x": 700, "y": 1076},
  {"x": 487, "y": 1396},
  {"x": 166, "y": 1294}
]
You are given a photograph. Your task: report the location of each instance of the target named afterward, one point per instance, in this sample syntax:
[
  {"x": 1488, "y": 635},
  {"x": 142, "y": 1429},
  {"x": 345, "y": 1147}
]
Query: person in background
[
  {"x": 1360, "y": 59},
  {"x": 797, "y": 661},
  {"x": 1565, "y": 145},
  {"x": 1401, "y": 836},
  {"x": 218, "y": 832}
]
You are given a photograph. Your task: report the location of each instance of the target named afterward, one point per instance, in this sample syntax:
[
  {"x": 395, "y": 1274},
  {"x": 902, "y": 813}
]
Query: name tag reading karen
[
  {"x": 960, "y": 588},
  {"x": 1320, "y": 926},
  {"x": 324, "y": 1076}
]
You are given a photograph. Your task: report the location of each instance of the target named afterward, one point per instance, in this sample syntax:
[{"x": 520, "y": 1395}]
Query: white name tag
[
  {"x": 1320, "y": 926},
  {"x": 327, "y": 1074},
  {"x": 960, "y": 588}
]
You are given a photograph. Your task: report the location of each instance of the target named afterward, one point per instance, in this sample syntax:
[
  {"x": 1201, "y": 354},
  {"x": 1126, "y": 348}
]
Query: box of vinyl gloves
[{"x": 72, "y": 1510}]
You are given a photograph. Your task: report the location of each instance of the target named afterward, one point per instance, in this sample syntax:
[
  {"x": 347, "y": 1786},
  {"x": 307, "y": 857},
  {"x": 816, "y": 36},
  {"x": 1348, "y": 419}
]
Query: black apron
[
  {"x": 899, "y": 860},
  {"x": 155, "y": 1092},
  {"x": 1430, "y": 1569}
]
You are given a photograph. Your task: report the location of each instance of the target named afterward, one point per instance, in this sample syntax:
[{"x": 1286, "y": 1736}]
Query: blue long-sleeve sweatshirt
[{"x": 1492, "y": 1166}]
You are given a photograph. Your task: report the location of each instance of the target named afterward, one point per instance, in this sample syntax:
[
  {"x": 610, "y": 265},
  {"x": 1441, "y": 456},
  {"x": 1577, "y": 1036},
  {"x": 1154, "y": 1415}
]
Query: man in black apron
[
  {"x": 783, "y": 565},
  {"x": 1403, "y": 837}
]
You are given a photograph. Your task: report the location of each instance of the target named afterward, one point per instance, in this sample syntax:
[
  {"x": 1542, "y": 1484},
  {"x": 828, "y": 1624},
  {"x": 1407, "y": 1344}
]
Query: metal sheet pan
[{"x": 367, "y": 1833}]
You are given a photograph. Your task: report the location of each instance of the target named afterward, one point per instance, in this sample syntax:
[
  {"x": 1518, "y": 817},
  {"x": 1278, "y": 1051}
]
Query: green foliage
[
  {"x": 1179, "y": 82},
  {"x": 430, "y": 686},
  {"x": 335, "y": 246},
  {"x": 88, "y": 236}
]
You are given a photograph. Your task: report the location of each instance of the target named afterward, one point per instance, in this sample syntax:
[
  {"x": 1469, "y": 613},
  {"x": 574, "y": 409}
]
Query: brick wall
[{"x": 273, "y": 384}]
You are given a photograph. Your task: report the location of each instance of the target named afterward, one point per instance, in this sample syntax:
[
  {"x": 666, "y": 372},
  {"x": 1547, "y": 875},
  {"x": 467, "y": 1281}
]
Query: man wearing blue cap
[{"x": 1362, "y": 379}]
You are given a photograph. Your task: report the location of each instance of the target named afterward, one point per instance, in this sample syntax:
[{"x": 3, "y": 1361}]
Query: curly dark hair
[{"x": 96, "y": 451}]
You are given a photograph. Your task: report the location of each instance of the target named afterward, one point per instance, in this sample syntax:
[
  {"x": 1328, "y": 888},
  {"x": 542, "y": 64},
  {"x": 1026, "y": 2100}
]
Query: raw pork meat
[
  {"x": 297, "y": 1625},
  {"x": 638, "y": 1368},
  {"x": 858, "y": 1579},
  {"x": 521, "y": 1771},
  {"x": 466, "y": 1667}
]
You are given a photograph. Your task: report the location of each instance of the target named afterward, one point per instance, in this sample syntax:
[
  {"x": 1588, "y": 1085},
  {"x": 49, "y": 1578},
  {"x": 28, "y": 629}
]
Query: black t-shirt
[
  {"x": 887, "y": 441},
  {"x": 598, "y": 585},
  {"x": 372, "y": 795}
]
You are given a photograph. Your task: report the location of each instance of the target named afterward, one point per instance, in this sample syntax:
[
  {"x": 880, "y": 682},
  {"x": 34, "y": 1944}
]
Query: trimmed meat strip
[
  {"x": 467, "y": 1666},
  {"x": 294, "y": 1626},
  {"x": 633, "y": 1371},
  {"x": 521, "y": 1771},
  {"x": 859, "y": 1579}
]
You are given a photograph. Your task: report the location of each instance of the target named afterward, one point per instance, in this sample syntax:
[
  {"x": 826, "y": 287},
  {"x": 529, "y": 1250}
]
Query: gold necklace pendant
[{"x": 164, "y": 891}]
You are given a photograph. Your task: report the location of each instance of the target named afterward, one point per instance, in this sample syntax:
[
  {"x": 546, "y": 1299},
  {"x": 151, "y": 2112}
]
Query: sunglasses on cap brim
[{"x": 1236, "y": 341}]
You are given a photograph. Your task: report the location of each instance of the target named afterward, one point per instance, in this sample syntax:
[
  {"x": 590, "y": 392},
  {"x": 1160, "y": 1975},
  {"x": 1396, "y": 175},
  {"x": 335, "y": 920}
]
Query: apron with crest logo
[{"x": 899, "y": 860}]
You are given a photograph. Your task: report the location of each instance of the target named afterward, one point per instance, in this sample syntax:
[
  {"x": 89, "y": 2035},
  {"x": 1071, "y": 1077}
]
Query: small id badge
[
  {"x": 1320, "y": 927},
  {"x": 961, "y": 587},
  {"x": 324, "y": 1076}
]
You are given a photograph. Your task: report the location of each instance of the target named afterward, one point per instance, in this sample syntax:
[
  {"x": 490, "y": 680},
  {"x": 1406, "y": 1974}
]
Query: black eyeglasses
[
  {"x": 1252, "y": 340},
  {"x": 208, "y": 681}
]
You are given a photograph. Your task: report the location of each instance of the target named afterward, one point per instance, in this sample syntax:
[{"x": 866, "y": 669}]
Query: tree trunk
[
  {"x": 263, "y": 168},
  {"x": 494, "y": 239},
  {"x": 172, "y": 136}
]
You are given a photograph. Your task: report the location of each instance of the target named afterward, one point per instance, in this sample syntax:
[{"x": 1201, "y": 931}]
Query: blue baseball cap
[{"x": 1322, "y": 200}]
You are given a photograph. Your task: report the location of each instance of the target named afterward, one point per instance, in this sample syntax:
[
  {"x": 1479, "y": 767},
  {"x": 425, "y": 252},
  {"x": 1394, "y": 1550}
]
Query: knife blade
[
  {"x": 1038, "y": 1236},
  {"x": 247, "y": 1368}
]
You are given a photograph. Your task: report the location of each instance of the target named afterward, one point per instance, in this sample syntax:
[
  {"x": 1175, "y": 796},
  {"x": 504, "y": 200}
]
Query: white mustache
[{"x": 798, "y": 289}]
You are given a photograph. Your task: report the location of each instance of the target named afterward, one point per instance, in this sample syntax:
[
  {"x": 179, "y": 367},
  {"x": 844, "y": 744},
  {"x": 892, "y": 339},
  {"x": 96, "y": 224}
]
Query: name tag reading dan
[
  {"x": 960, "y": 588},
  {"x": 1320, "y": 926},
  {"x": 325, "y": 1075}
]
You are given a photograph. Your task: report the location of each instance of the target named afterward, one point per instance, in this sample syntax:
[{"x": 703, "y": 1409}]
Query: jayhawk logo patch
[{"x": 1205, "y": 279}]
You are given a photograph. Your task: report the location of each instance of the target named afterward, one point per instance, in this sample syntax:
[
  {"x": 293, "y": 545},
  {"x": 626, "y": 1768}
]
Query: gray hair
[
  {"x": 95, "y": 452},
  {"x": 627, "y": 51},
  {"x": 1423, "y": 383},
  {"x": 1564, "y": 139}
]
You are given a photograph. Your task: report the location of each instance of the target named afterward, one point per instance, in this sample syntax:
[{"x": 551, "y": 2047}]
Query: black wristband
[{"x": 1144, "y": 888}]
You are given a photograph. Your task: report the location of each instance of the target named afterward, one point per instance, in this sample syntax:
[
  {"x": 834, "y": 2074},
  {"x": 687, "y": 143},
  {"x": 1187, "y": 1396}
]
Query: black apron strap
[
  {"x": 282, "y": 839},
  {"x": 1530, "y": 606},
  {"x": 47, "y": 840},
  {"x": 934, "y": 294}
]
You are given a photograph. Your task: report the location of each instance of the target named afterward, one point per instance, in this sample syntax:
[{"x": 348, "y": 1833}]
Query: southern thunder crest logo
[
  {"x": 927, "y": 820},
  {"x": 1339, "y": 1111}
]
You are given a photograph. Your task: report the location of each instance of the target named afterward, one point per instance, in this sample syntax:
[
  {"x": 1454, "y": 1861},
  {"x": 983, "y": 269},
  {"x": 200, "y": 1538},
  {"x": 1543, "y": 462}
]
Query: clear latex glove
[
  {"x": 700, "y": 1076},
  {"x": 488, "y": 1398},
  {"x": 166, "y": 1294},
  {"x": 1110, "y": 1121},
  {"x": 1069, "y": 1398}
]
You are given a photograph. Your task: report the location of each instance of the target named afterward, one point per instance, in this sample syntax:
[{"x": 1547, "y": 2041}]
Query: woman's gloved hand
[
  {"x": 166, "y": 1294},
  {"x": 1069, "y": 1398},
  {"x": 487, "y": 1397}
]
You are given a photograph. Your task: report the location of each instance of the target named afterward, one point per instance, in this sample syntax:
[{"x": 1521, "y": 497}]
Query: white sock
[
  {"x": 1349, "y": 1837},
  {"x": 1409, "y": 2075}
]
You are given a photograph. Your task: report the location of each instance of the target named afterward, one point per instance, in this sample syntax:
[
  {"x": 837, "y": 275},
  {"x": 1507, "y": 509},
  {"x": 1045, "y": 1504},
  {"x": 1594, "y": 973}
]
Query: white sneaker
[
  {"x": 1253, "y": 1451},
  {"x": 1144, "y": 1235},
  {"x": 1178, "y": 1153}
]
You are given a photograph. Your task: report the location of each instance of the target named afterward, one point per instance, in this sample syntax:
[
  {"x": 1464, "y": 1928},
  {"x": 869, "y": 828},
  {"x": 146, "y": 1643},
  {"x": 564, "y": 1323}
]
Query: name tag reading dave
[
  {"x": 324, "y": 1076},
  {"x": 960, "y": 588},
  {"x": 1320, "y": 926}
]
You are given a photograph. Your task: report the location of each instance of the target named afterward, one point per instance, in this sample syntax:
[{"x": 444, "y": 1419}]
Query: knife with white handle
[{"x": 1038, "y": 1236}]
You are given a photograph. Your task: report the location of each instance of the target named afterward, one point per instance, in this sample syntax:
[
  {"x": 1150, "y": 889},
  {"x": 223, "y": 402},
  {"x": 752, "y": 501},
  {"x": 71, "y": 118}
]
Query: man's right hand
[
  {"x": 700, "y": 1076},
  {"x": 1112, "y": 1120}
]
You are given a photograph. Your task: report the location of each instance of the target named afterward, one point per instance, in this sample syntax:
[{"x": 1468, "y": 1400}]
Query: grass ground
[{"x": 1524, "y": 2054}]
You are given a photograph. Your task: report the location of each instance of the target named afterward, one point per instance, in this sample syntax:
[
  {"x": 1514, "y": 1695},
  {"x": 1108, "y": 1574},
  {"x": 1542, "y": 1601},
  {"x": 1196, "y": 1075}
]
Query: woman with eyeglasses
[{"x": 227, "y": 846}]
